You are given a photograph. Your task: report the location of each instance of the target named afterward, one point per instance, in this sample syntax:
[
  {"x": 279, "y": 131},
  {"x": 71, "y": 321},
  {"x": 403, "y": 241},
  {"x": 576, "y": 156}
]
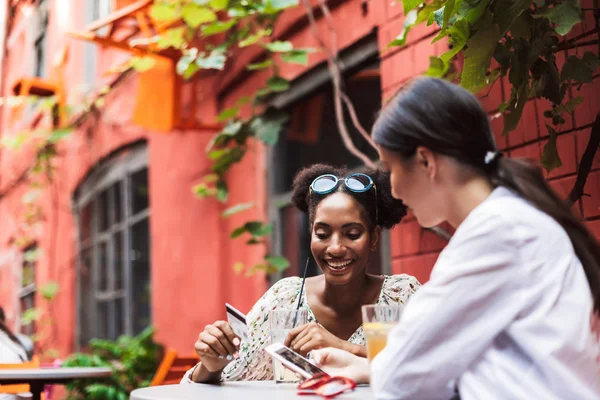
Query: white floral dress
[{"x": 255, "y": 364}]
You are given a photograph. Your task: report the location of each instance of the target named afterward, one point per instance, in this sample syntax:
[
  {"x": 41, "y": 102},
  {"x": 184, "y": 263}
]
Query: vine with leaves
[{"x": 523, "y": 37}]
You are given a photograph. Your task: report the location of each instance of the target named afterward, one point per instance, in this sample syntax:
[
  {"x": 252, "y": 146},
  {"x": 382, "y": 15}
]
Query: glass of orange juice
[{"x": 378, "y": 321}]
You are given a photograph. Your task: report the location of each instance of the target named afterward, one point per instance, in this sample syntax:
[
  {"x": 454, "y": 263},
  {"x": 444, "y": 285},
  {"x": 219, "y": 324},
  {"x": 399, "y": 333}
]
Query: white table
[
  {"x": 249, "y": 390},
  {"x": 37, "y": 378}
]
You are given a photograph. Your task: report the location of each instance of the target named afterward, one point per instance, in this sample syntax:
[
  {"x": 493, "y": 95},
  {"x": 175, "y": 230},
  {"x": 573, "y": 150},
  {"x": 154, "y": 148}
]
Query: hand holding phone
[{"x": 294, "y": 361}]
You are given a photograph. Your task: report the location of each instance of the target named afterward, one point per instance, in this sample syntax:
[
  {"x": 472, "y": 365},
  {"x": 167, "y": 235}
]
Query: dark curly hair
[{"x": 389, "y": 210}]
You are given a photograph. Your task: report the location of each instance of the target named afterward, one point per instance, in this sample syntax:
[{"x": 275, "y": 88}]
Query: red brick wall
[{"x": 414, "y": 250}]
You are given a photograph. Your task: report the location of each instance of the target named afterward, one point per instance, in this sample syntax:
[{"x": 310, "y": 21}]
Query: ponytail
[{"x": 526, "y": 179}]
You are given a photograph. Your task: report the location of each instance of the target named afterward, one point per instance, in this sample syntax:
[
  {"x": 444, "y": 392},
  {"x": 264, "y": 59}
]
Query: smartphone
[
  {"x": 237, "y": 320},
  {"x": 293, "y": 361}
]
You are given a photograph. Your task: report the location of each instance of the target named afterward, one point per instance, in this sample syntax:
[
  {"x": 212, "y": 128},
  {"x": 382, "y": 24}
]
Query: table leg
[{"x": 36, "y": 390}]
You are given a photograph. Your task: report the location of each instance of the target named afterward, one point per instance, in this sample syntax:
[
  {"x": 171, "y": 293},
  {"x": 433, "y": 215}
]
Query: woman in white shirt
[
  {"x": 11, "y": 352},
  {"x": 511, "y": 308}
]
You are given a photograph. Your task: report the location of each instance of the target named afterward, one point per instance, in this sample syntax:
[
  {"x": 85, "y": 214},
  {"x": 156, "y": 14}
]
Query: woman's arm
[{"x": 356, "y": 349}]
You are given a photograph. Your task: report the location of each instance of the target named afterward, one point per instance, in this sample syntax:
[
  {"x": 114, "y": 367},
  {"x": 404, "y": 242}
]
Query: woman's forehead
[{"x": 340, "y": 207}]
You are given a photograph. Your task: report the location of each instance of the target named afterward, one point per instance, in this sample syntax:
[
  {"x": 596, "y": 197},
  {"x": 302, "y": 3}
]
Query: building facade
[{"x": 121, "y": 232}]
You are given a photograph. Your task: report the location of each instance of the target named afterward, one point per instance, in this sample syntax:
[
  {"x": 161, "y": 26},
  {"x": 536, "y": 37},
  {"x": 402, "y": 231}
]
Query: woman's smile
[{"x": 339, "y": 265}]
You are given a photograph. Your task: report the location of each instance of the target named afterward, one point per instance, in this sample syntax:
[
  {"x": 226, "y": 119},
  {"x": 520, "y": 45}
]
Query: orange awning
[
  {"x": 160, "y": 101},
  {"x": 130, "y": 20}
]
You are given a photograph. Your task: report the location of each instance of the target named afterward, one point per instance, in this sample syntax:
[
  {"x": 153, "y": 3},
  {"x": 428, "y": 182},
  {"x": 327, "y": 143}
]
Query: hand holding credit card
[{"x": 237, "y": 320}]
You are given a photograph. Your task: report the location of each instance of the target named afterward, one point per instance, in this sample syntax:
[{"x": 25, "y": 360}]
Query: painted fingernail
[
  {"x": 236, "y": 354},
  {"x": 236, "y": 341},
  {"x": 229, "y": 357}
]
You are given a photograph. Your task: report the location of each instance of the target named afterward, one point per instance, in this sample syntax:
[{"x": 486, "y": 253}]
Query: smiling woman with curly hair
[{"x": 347, "y": 212}]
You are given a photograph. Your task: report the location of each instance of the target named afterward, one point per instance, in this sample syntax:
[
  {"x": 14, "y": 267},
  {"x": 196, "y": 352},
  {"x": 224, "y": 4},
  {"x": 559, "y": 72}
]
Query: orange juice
[{"x": 376, "y": 334}]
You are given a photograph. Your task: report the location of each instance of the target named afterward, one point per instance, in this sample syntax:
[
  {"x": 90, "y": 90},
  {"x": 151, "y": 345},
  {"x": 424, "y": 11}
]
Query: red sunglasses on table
[{"x": 326, "y": 386}]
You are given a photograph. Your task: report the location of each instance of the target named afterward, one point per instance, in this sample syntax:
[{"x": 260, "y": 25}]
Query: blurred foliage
[{"x": 134, "y": 360}]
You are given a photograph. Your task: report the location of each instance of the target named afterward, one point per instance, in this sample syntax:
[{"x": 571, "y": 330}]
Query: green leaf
[
  {"x": 409, "y": 22},
  {"x": 186, "y": 61},
  {"x": 237, "y": 209},
  {"x": 49, "y": 290},
  {"x": 210, "y": 178},
  {"x": 258, "y": 229},
  {"x": 437, "y": 67},
  {"x": 448, "y": 12},
  {"x": 194, "y": 15},
  {"x": 228, "y": 158},
  {"x": 218, "y": 4},
  {"x": 232, "y": 128},
  {"x": 580, "y": 70},
  {"x": 546, "y": 80},
  {"x": 228, "y": 113},
  {"x": 237, "y": 232},
  {"x": 550, "y": 158},
  {"x": 519, "y": 97},
  {"x": 252, "y": 39},
  {"x": 260, "y": 65},
  {"x": 511, "y": 9},
  {"x": 216, "y": 154},
  {"x": 279, "y": 46},
  {"x": 142, "y": 64},
  {"x": 268, "y": 127},
  {"x": 215, "y": 60},
  {"x": 426, "y": 14},
  {"x": 278, "y": 84},
  {"x": 201, "y": 190},
  {"x": 222, "y": 190},
  {"x": 569, "y": 106},
  {"x": 522, "y": 26},
  {"x": 59, "y": 134},
  {"x": 218, "y": 27},
  {"x": 472, "y": 10},
  {"x": 480, "y": 49},
  {"x": 438, "y": 16},
  {"x": 30, "y": 315},
  {"x": 283, "y": 4},
  {"x": 564, "y": 15},
  {"x": 296, "y": 57},
  {"x": 14, "y": 142},
  {"x": 172, "y": 38},
  {"x": 280, "y": 263},
  {"x": 243, "y": 101},
  {"x": 459, "y": 34},
  {"x": 163, "y": 12},
  {"x": 31, "y": 256},
  {"x": 409, "y": 5}
]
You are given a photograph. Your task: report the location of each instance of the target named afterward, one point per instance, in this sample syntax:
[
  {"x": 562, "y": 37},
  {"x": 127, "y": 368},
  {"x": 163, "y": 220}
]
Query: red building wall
[{"x": 192, "y": 255}]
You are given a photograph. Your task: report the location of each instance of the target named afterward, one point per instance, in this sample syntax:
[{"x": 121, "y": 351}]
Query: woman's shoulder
[
  {"x": 287, "y": 284},
  {"x": 398, "y": 288},
  {"x": 284, "y": 289}
]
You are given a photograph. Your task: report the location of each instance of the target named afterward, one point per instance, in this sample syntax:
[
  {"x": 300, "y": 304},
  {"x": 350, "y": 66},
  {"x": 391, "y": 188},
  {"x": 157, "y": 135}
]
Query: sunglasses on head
[
  {"x": 356, "y": 182},
  {"x": 326, "y": 386}
]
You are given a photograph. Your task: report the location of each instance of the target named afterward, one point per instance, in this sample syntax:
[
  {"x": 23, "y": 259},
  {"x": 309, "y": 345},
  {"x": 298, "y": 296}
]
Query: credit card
[{"x": 237, "y": 320}]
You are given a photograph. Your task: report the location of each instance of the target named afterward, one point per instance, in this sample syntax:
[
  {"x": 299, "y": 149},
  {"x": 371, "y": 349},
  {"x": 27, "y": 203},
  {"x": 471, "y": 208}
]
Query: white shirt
[
  {"x": 507, "y": 314},
  {"x": 11, "y": 353}
]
